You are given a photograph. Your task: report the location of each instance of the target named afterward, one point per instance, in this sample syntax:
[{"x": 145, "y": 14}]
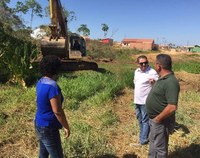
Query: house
[
  {"x": 38, "y": 33},
  {"x": 196, "y": 48},
  {"x": 140, "y": 44},
  {"x": 107, "y": 41}
]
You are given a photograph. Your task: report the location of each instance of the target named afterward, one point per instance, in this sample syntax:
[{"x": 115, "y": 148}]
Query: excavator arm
[{"x": 58, "y": 20}]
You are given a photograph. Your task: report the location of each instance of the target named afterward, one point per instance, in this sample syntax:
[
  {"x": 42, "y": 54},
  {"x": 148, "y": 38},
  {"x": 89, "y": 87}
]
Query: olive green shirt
[{"x": 165, "y": 91}]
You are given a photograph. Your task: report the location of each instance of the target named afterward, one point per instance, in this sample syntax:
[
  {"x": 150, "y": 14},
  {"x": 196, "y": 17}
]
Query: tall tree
[
  {"x": 35, "y": 7},
  {"x": 16, "y": 48},
  {"x": 105, "y": 29},
  {"x": 70, "y": 15},
  {"x": 3, "y": 3},
  {"x": 83, "y": 28},
  {"x": 8, "y": 17},
  {"x": 31, "y": 5}
]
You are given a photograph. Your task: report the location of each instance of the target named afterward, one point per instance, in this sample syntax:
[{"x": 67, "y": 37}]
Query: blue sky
[{"x": 165, "y": 21}]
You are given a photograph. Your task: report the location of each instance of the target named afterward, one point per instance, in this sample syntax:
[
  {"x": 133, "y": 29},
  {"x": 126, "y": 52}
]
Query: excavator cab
[{"x": 77, "y": 47}]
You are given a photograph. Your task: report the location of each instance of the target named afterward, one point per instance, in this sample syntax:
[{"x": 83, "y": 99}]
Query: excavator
[{"x": 69, "y": 47}]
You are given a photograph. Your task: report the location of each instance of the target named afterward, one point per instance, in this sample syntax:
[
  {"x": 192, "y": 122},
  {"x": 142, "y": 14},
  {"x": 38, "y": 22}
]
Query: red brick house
[{"x": 140, "y": 44}]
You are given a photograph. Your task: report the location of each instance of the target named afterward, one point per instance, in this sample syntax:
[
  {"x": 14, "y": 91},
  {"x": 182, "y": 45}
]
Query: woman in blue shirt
[{"x": 50, "y": 116}]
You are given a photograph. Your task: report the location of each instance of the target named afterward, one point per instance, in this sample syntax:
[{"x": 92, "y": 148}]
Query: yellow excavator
[{"x": 71, "y": 48}]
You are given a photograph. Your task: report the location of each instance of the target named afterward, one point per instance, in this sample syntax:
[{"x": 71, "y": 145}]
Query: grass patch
[
  {"x": 109, "y": 118},
  {"x": 91, "y": 88},
  {"x": 191, "y": 67},
  {"x": 85, "y": 141},
  {"x": 83, "y": 91}
]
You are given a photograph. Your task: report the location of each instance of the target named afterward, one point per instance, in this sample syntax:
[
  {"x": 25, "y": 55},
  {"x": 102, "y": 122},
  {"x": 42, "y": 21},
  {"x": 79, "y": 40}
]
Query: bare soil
[{"x": 126, "y": 132}]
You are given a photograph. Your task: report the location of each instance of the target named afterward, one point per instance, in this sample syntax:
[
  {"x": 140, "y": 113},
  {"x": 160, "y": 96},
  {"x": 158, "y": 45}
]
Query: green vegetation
[
  {"x": 105, "y": 29},
  {"x": 17, "y": 49},
  {"x": 99, "y": 50},
  {"x": 90, "y": 88},
  {"x": 84, "y": 29},
  {"x": 84, "y": 93},
  {"x": 16, "y": 57},
  {"x": 185, "y": 141},
  {"x": 89, "y": 107},
  {"x": 188, "y": 66}
]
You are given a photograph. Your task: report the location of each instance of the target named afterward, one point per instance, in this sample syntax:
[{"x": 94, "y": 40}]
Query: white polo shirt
[{"x": 142, "y": 85}]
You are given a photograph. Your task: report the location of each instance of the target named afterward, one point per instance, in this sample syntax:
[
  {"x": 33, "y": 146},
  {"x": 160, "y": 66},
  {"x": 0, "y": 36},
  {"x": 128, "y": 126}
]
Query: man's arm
[{"x": 168, "y": 110}]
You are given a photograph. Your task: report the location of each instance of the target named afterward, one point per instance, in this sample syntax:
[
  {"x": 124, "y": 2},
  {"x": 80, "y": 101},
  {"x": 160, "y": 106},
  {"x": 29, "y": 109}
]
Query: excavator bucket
[{"x": 53, "y": 47}]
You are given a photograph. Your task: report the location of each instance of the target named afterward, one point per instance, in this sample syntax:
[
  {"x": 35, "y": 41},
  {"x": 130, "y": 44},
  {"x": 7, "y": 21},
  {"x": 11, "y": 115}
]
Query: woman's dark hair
[
  {"x": 50, "y": 65},
  {"x": 164, "y": 60},
  {"x": 141, "y": 57}
]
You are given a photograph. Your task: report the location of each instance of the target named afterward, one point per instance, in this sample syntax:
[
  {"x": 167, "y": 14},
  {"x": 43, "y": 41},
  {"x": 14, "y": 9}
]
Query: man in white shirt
[{"x": 144, "y": 78}]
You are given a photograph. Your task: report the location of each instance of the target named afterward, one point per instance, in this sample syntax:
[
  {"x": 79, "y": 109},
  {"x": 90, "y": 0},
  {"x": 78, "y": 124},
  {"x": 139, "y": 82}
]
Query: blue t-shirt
[{"x": 46, "y": 89}]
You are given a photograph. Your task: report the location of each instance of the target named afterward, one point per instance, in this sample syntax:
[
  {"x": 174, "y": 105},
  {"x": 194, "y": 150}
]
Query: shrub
[{"x": 17, "y": 55}]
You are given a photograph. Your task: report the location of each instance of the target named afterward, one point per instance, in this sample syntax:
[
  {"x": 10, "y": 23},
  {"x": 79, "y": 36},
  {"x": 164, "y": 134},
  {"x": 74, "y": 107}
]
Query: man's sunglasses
[{"x": 143, "y": 63}]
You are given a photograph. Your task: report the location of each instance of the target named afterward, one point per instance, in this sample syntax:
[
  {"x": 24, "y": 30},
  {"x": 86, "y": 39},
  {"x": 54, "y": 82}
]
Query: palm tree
[{"x": 105, "y": 29}]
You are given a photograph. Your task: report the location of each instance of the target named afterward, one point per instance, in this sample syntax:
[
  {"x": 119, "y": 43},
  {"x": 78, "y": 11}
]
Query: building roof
[{"x": 135, "y": 40}]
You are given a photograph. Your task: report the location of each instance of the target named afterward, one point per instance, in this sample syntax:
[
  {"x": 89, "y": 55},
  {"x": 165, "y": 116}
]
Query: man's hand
[
  {"x": 151, "y": 81},
  {"x": 156, "y": 120},
  {"x": 168, "y": 111}
]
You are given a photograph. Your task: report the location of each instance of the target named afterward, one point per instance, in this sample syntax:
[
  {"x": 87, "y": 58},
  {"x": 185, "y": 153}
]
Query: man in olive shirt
[{"x": 161, "y": 105}]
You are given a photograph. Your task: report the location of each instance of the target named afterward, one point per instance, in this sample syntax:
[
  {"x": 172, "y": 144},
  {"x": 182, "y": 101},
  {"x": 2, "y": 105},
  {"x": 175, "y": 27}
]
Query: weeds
[
  {"x": 91, "y": 88},
  {"x": 87, "y": 89},
  {"x": 85, "y": 141},
  {"x": 191, "y": 67},
  {"x": 109, "y": 118},
  {"x": 90, "y": 108}
]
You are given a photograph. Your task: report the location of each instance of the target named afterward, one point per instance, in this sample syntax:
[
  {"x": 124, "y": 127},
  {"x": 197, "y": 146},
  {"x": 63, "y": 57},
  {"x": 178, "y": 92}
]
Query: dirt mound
[{"x": 188, "y": 81}]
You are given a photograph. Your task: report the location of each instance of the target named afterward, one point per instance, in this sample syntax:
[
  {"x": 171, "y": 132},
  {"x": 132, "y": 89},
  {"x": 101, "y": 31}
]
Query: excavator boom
[
  {"x": 58, "y": 42},
  {"x": 58, "y": 19}
]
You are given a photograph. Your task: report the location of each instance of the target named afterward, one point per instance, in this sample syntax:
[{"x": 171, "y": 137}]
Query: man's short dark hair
[
  {"x": 50, "y": 65},
  {"x": 141, "y": 57},
  {"x": 164, "y": 60}
]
